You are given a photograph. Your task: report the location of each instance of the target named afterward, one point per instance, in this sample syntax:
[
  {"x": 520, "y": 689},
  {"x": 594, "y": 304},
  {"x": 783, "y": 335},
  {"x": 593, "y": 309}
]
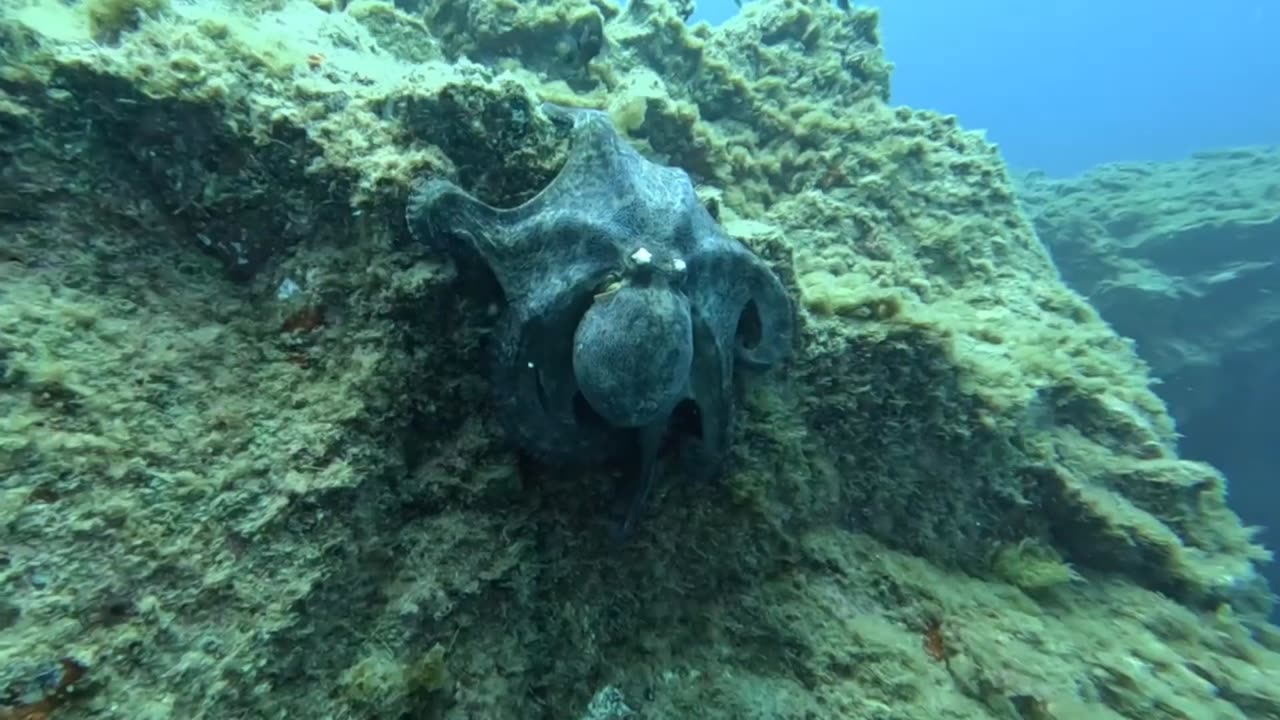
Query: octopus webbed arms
[{"x": 624, "y": 301}]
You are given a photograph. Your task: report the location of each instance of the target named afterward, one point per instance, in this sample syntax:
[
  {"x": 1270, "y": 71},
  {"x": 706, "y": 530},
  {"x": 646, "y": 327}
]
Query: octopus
[{"x": 627, "y": 310}]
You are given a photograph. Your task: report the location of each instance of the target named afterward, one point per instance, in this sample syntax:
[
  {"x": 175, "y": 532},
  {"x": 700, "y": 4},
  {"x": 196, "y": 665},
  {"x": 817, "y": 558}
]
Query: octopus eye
[{"x": 611, "y": 284}]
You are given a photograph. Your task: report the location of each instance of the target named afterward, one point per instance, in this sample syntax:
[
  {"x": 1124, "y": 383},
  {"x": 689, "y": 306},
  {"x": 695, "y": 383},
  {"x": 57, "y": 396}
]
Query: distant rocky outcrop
[{"x": 1184, "y": 257}]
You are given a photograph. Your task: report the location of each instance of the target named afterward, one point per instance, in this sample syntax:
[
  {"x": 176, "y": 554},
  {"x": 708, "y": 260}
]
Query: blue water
[{"x": 1063, "y": 85}]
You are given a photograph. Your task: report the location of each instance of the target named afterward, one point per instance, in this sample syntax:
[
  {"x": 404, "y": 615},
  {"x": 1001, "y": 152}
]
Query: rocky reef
[
  {"x": 250, "y": 462},
  {"x": 1182, "y": 257}
]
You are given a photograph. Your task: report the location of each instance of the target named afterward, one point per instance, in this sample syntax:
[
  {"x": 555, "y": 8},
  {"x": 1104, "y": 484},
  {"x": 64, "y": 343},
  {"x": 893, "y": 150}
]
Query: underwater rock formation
[
  {"x": 626, "y": 300},
  {"x": 251, "y": 466},
  {"x": 1178, "y": 256},
  {"x": 1182, "y": 258}
]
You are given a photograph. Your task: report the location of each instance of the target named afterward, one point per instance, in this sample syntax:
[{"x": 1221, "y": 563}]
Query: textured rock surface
[
  {"x": 251, "y": 468},
  {"x": 1184, "y": 258}
]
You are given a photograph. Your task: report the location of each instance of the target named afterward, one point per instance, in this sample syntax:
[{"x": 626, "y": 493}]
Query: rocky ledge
[{"x": 1183, "y": 257}]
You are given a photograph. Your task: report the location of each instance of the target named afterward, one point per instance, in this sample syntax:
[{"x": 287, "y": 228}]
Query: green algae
[
  {"x": 227, "y": 508},
  {"x": 1032, "y": 565},
  {"x": 109, "y": 18}
]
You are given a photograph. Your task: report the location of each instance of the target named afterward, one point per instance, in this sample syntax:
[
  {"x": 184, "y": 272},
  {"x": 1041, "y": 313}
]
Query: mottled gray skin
[
  {"x": 632, "y": 354},
  {"x": 624, "y": 300}
]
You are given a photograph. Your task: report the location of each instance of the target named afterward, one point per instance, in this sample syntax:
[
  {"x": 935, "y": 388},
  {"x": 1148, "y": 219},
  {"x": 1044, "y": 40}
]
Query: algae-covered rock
[
  {"x": 1182, "y": 258},
  {"x": 109, "y": 18},
  {"x": 249, "y": 463},
  {"x": 1032, "y": 565}
]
